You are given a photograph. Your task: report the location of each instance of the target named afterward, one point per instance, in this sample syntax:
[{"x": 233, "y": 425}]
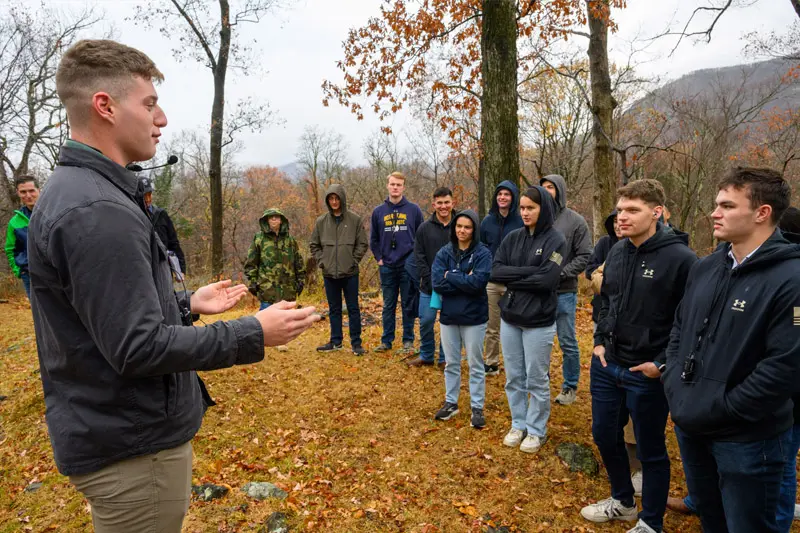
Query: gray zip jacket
[
  {"x": 117, "y": 365},
  {"x": 575, "y": 231}
]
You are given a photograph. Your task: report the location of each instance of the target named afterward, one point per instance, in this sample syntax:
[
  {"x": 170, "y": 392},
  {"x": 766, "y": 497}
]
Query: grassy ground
[{"x": 351, "y": 439}]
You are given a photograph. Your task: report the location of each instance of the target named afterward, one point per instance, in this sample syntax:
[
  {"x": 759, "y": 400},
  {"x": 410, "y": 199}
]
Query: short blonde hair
[
  {"x": 396, "y": 175},
  {"x": 92, "y": 66}
]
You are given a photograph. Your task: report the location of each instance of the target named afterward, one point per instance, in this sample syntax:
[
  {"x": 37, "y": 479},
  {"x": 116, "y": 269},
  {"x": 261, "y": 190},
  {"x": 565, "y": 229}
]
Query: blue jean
[
  {"x": 735, "y": 486},
  {"x": 788, "y": 495},
  {"x": 394, "y": 283},
  {"x": 471, "y": 337},
  {"x": 427, "y": 339},
  {"x": 565, "y": 325},
  {"x": 526, "y": 352},
  {"x": 616, "y": 394},
  {"x": 264, "y": 305},
  {"x": 333, "y": 292},
  {"x": 26, "y": 282}
]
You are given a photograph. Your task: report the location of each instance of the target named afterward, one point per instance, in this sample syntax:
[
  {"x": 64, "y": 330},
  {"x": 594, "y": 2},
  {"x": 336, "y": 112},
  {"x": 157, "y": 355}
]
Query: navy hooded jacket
[
  {"x": 529, "y": 265},
  {"x": 598, "y": 257},
  {"x": 495, "y": 227},
  {"x": 463, "y": 291},
  {"x": 742, "y": 328},
  {"x": 641, "y": 289}
]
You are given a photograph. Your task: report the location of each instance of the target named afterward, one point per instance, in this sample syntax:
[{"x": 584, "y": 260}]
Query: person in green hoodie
[
  {"x": 274, "y": 267},
  {"x": 17, "y": 231},
  {"x": 339, "y": 243}
]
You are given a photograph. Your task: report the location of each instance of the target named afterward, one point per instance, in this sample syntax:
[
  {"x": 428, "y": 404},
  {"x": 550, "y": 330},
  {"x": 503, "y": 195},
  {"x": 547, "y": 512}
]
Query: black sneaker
[
  {"x": 329, "y": 347},
  {"x": 478, "y": 421},
  {"x": 491, "y": 370},
  {"x": 359, "y": 350},
  {"x": 448, "y": 411}
]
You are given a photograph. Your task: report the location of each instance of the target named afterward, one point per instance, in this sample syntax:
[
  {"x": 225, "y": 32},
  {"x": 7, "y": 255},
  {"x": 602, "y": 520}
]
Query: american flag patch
[
  {"x": 797, "y": 316},
  {"x": 556, "y": 258}
]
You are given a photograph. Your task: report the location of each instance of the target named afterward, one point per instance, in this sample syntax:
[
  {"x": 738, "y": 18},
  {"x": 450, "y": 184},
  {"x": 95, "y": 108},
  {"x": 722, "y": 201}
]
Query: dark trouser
[
  {"x": 26, "y": 282},
  {"x": 735, "y": 486},
  {"x": 394, "y": 283},
  {"x": 616, "y": 394},
  {"x": 333, "y": 292},
  {"x": 789, "y": 484}
]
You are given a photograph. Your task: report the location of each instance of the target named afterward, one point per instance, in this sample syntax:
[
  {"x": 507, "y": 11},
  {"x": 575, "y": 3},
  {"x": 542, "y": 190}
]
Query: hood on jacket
[
  {"x": 561, "y": 189},
  {"x": 609, "y": 224},
  {"x": 664, "y": 236},
  {"x": 476, "y": 229},
  {"x": 264, "y": 223},
  {"x": 779, "y": 247},
  {"x": 403, "y": 201},
  {"x": 547, "y": 211},
  {"x": 513, "y": 189},
  {"x": 338, "y": 190}
]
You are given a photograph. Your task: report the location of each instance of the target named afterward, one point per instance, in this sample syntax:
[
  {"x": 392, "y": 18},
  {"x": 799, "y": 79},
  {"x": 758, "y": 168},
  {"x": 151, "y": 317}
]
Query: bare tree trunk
[
  {"x": 499, "y": 120},
  {"x": 796, "y": 5},
  {"x": 215, "y": 160},
  {"x": 603, "y": 104}
]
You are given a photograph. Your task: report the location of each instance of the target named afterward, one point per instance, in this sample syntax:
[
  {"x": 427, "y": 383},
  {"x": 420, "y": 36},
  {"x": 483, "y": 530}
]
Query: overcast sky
[{"x": 299, "y": 47}]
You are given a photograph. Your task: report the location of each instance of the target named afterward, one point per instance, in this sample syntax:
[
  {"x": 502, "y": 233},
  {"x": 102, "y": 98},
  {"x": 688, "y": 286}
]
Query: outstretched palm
[{"x": 217, "y": 297}]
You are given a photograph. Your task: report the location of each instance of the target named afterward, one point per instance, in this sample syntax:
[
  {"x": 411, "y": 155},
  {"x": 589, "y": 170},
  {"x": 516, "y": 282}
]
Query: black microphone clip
[{"x": 133, "y": 167}]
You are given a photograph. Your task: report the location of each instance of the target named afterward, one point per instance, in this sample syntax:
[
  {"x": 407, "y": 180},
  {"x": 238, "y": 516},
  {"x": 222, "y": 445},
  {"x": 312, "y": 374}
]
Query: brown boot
[
  {"x": 420, "y": 362},
  {"x": 677, "y": 505}
]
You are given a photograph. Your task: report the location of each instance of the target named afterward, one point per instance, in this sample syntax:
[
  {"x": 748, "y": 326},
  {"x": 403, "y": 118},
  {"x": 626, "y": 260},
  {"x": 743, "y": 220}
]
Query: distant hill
[
  {"x": 751, "y": 78},
  {"x": 293, "y": 170}
]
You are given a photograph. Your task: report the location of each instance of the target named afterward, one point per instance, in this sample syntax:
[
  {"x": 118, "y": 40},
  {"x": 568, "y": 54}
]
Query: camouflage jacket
[{"x": 274, "y": 268}]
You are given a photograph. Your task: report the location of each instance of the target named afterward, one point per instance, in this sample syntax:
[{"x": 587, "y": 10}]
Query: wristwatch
[{"x": 662, "y": 367}]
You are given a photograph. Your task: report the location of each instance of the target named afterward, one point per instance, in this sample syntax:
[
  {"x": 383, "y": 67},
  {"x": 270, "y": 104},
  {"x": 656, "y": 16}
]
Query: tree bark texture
[
  {"x": 499, "y": 119},
  {"x": 217, "y": 123},
  {"x": 603, "y": 104}
]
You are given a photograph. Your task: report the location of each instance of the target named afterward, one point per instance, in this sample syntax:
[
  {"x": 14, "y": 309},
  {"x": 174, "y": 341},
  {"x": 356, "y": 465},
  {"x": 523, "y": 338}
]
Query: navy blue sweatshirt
[
  {"x": 495, "y": 227},
  {"x": 742, "y": 327},
  {"x": 529, "y": 265},
  {"x": 463, "y": 291},
  {"x": 641, "y": 290},
  {"x": 396, "y": 223},
  {"x": 598, "y": 257}
]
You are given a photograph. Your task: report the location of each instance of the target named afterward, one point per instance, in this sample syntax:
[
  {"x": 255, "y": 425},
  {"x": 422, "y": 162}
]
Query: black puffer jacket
[{"x": 117, "y": 365}]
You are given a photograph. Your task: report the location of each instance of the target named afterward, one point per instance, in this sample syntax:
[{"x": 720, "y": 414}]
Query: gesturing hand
[
  {"x": 217, "y": 297},
  {"x": 648, "y": 369},
  {"x": 281, "y": 322}
]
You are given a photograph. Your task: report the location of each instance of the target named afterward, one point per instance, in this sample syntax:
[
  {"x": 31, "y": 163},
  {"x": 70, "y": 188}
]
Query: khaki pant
[
  {"x": 146, "y": 494},
  {"x": 494, "y": 291}
]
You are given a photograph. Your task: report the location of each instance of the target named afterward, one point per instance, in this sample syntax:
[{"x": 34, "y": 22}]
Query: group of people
[{"x": 714, "y": 342}]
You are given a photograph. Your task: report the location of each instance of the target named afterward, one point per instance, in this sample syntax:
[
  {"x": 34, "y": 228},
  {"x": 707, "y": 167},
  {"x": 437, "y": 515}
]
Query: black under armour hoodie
[
  {"x": 529, "y": 264},
  {"x": 641, "y": 289},
  {"x": 741, "y": 327}
]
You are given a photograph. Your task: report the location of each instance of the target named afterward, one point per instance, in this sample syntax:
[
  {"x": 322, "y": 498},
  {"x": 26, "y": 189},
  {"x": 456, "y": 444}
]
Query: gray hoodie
[{"x": 575, "y": 231}]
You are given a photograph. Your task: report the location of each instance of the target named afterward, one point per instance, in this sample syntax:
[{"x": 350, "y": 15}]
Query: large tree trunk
[
  {"x": 499, "y": 120},
  {"x": 796, "y": 5},
  {"x": 215, "y": 160},
  {"x": 603, "y": 104}
]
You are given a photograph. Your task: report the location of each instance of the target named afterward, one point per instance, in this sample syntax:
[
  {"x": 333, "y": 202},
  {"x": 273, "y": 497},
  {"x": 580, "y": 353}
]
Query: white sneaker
[
  {"x": 513, "y": 438},
  {"x": 796, "y": 510},
  {"x": 532, "y": 443},
  {"x": 636, "y": 480},
  {"x": 609, "y": 509},
  {"x": 567, "y": 397},
  {"x": 641, "y": 527}
]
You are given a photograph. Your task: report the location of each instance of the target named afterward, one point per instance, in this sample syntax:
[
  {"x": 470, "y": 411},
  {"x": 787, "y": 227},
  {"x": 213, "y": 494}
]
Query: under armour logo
[
  {"x": 738, "y": 305},
  {"x": 648, "y": 273},
  {"x": 797, "y": 316},
  {"x": 539, "y": 251}
]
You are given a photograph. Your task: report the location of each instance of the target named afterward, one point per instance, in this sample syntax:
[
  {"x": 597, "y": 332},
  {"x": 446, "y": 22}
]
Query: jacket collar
[{"x": 77, "y": 154}]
